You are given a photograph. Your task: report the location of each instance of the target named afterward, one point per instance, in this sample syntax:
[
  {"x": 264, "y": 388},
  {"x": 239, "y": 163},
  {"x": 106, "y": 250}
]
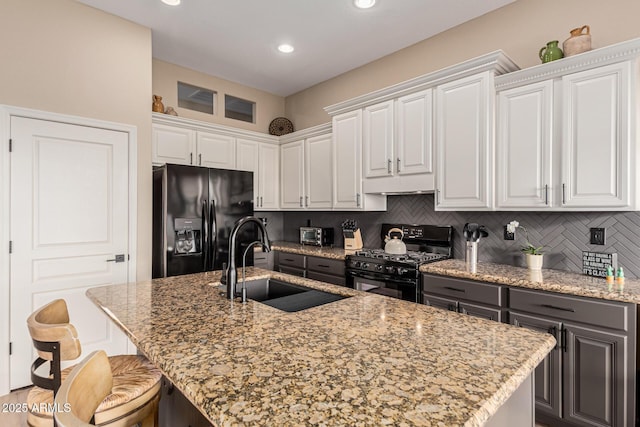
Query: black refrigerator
[{"x": 194, "y": 210}]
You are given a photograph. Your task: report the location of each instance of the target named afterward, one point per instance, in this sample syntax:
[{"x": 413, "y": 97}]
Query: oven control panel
[{"x": 383, "y": 267}]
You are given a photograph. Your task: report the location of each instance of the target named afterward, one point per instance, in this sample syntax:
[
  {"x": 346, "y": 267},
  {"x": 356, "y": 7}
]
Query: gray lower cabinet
[
  {"x": 326, "y": 270},
  {"x": 263, "y": 260},
  {"x": 175, "y": 410},
  {"x": 294, "y": 264},
  {"x": 548, "y": 378},
  {"x": 589, "y": 379},
  {"x": 313, "y": 267},
  {"x": 479, "y": 299}
]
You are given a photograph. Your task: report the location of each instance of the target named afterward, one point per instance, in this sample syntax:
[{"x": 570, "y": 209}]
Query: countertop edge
[{"x": 548, "y": 280}]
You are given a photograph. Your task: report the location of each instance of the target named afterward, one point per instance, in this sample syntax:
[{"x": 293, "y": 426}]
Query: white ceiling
[{"x": 237, "y": 39}]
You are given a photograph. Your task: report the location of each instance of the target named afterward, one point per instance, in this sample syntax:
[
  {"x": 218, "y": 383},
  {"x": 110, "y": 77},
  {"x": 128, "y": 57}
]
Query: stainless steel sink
[{"x": 287, "y": 296}]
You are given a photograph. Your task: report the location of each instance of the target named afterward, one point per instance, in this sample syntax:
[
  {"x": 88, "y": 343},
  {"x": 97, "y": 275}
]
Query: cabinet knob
[
  {"x": 389, "y": 166},
  {"x": 398, "y": 164}
]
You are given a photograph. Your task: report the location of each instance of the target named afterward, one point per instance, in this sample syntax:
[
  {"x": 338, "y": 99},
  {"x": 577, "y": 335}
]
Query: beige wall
[
  {"x": 520, "y": 29},
  {"x": 64, "y": 57},
  {"x": 165, "y": 81}
]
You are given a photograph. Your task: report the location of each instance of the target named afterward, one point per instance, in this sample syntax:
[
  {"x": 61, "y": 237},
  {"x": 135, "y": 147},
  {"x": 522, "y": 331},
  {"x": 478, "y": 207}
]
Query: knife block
[{"x": 352, "y": 239}]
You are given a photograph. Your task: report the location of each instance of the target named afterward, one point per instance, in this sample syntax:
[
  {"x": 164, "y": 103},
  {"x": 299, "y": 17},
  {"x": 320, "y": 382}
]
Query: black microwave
[{"x": 316, "y": 236}]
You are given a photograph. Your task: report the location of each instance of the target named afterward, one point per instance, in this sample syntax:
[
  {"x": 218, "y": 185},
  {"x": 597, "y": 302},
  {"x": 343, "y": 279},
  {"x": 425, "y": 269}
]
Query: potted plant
[{"x": 533, "y": 254}]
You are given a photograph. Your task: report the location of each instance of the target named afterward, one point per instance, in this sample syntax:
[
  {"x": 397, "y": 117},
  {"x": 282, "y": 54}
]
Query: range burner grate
[{"x": 411, "y": 257}]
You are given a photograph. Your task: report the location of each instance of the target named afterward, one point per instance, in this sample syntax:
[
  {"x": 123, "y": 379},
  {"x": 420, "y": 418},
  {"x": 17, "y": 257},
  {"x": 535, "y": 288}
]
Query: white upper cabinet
[
  {"x": 292, "y": 175},
  {"x": 216, "y": 150},
  {"x": 397, "y": 145},
  {"x": 464, "y": 147},
  {"x": 567, "y": 133},
  {"x": 347, "y": 165},
  {"x": 263, "y": 160},
  {"x": 377, "y": 143},
  {"x": 523, "y": 147},
  {"x": 596, "y": 117},
  {"x": 171, "y": 144},
  {"x": 306, "y": 169},
  {"x": 414, "y": 141},
  {"x": 318, "y": 171},
  {"x": 269, "y": 176},
  {"x": 347, "y": 160}
]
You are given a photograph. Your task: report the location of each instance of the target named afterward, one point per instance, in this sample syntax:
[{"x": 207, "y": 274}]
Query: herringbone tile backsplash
[{"x": 564, "y": 234}]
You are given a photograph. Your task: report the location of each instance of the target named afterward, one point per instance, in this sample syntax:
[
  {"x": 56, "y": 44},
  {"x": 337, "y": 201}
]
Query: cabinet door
[
  {"x": 347, "y": 172},
  {"x": 483, "y": 312},
  {"x": 596, "y": 388},
  {"x": 548, "y": 375},
  {"x": 317, "y": 155},
  {"x": 377, "y": 140},
  {"x": 439, "y": 302},
  {"x": 464, "y": 143},
  {"x": 523, "y": 152},
  {"x": 596, "y": 137},
  {"x": 269, "y": 176},
  {"x": 247, "y": 155},
  {"x": 172, "y": 145},
  {"x": 291, "y": 175},
  {"x": 216, "y": 151},
  {"x": 414, "y": 142}
]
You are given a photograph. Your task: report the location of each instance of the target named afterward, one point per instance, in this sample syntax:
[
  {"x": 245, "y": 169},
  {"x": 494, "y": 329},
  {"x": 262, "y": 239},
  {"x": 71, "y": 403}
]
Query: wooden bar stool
[
  {"x": 87, "y": 385},
  {"x": 136, "y": 382}
]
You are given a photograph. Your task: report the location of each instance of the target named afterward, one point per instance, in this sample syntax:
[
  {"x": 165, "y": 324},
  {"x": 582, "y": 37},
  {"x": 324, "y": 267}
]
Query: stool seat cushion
[{"x": 136, "y": 382}]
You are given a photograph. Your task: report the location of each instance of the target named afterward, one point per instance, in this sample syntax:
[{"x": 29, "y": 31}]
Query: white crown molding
[
  {"x": 496, "y": 61},
  {"x": 619, "y": 52},
  {"x": 198, "y": 125},
  {"x": 322, "y": 129}
]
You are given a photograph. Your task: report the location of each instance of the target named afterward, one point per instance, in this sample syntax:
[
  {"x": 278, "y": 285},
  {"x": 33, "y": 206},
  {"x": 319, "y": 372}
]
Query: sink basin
[
  {"x": 266, "y": 289},
  {"x": 287, "y": 296}
]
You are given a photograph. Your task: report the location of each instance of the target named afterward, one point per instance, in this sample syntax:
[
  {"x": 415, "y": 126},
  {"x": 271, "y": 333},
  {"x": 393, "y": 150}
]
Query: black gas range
[{"x": 397, "y": 275}]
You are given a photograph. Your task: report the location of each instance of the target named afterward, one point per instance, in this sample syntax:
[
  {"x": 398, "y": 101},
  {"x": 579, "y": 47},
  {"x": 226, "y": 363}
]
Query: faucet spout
[{"x": 232, "y": 271}]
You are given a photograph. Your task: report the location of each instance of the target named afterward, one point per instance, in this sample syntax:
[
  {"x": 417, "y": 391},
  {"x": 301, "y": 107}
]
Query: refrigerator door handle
[
  {"x": 213, "y": 239},
  {"x": 204, "y": 237}
]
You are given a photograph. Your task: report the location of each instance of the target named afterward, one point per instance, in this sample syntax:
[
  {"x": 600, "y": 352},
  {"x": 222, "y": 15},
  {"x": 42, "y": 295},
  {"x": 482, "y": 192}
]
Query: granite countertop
[
  {"x": 297, "y": 248},
  {"x": 367, "y": 360},
  {"x": 546, "y": 280}
]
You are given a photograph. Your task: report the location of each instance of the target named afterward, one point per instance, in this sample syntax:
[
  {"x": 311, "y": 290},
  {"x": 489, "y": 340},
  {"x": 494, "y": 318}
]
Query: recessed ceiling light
[
  {"x": 285, "y": 48},
  {"x": 171, "y": 2},
  {"x": 364, "y": 4}
]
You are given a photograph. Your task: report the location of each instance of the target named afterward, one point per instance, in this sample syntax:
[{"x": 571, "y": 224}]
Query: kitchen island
[{"x": 364, "y": 360}]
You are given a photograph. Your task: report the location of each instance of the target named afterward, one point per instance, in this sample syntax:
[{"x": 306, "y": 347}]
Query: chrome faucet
[{"x": 232, "y": 272}]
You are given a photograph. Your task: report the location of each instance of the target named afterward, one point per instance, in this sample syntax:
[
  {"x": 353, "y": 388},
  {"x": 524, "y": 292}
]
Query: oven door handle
[{"x": 380, "y": 279}]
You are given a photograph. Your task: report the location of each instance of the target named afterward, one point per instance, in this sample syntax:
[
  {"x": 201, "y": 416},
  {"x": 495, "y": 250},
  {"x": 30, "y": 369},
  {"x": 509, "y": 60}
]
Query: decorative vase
[
  {"x": 157, "y": 106},
  {"x": 534, "y": 262},
  {"x": 578, "y": 42},
  {"x": 550, "y": 52}
]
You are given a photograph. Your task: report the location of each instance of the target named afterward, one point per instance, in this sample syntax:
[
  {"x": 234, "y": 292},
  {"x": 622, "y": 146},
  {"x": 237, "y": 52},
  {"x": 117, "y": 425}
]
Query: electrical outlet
[
  {"x": 597, "y": 236},
  {"x": 507, "y": 235}
]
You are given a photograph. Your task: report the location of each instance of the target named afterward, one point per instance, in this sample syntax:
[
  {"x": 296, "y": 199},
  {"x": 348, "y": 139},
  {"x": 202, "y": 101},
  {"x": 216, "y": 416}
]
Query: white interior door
[{"x": 69, "y": 219}]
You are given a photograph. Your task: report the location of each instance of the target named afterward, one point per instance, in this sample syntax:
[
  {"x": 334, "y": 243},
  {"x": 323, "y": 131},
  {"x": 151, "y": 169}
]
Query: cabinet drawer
[
  {"x": 291, "y": 260},
  {"x": 485, "y": 293},
  {"x": 488, "y": 313},
  {"x": 439, "y": 302},
  {"x": 606, "y": 314},
  {"x": 328, "y": 278},
  {"x": 325, "y": 265}
]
